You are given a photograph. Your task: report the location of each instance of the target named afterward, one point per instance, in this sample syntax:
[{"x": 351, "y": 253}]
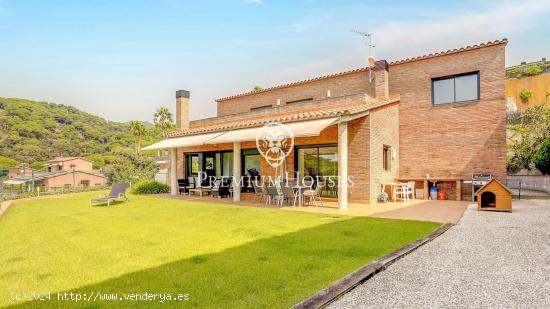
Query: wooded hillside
[{"x": 37, "y": 131}]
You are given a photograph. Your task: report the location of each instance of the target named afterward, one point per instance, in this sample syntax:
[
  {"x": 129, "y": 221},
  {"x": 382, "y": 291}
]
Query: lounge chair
[{"x": 118, "y": 193}]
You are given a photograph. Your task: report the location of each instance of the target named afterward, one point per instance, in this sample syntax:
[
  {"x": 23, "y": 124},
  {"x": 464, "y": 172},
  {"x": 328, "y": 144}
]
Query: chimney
[
  {"x": 381, "y": 82},
  {"x": 182, "y": 109}
]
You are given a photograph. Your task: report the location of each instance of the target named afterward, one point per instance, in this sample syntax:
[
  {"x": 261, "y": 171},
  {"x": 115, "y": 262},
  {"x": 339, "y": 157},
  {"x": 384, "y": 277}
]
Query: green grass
[{"x": 223, "y": 256}]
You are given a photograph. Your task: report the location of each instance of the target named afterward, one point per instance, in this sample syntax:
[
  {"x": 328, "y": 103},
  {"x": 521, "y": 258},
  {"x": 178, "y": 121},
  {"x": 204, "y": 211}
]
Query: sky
[{"x": 123, "y": 59}]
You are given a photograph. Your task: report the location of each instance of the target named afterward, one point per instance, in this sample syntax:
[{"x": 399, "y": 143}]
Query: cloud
[
  {"x": 451, "y": 29},
  {"x": 253, "y": 1},
  {"x": 425, "y": 32}
]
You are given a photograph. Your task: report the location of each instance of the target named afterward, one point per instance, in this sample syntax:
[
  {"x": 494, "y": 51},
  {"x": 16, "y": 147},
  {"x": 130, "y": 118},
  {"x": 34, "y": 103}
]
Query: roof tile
[{"x": 307, "y": 113}]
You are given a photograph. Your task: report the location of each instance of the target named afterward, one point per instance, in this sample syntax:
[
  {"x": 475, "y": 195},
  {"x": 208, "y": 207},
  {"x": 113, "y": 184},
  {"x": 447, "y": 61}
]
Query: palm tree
[
  {"x": 138, "y": 129},
  {"x": 163, "y": 120}
]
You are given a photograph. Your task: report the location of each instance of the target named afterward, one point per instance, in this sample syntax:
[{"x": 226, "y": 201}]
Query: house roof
[
  {"x": 363, "y": 69},
  {"x": 306, "y": 113},
  {"x": 40, "y": 176},
  {"x": 500, "y": 183},
  {"x": 64, "y": 159}
]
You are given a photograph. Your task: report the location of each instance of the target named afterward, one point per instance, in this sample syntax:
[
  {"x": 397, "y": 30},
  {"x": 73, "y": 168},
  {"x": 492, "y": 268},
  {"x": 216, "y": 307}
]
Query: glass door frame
[{"x": 317, "y": 146}]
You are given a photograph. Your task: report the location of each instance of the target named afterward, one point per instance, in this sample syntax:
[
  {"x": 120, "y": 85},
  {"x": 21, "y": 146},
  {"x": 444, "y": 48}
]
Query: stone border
[{"x": 344, "y": 285}]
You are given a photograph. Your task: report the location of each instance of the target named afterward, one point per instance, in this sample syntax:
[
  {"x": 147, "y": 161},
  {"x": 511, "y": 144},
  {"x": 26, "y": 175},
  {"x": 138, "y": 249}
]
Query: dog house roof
[{"x": 498, "y": 182}]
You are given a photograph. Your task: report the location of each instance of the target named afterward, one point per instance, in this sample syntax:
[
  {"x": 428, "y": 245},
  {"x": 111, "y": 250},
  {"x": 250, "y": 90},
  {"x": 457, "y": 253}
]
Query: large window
[
  {"x": 453, "y": 89},
  {"x": 227, "y": 163},
  {"x": 251, "y": 161},
  {"x": 193, "y": 164},
  {"x": 322, "y": 162}
]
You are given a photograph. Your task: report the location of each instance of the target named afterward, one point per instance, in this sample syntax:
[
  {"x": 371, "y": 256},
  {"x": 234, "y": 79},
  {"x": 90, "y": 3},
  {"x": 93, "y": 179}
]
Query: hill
[{"x": 37, "y": 131}]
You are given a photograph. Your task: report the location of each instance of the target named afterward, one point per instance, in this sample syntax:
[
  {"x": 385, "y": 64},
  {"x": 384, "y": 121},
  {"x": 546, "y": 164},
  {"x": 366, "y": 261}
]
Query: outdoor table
[{"x": 200, "y": 190}]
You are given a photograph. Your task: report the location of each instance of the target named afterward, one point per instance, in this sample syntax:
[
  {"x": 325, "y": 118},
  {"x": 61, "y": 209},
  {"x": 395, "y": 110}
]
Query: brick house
[
  {"x": 438, "y": 116},
  {"x": 69, "y": 163}
]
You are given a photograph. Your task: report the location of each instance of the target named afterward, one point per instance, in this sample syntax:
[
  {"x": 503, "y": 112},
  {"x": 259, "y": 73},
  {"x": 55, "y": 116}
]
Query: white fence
[{"x": 536, "y": 183}]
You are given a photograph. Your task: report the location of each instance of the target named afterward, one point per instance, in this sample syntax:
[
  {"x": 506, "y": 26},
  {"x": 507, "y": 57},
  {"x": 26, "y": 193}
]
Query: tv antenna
[{"x": 371, "y": 45}]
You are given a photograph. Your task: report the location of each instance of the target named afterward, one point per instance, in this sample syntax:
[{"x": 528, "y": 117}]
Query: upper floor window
[{"x": 457, "y": 88}]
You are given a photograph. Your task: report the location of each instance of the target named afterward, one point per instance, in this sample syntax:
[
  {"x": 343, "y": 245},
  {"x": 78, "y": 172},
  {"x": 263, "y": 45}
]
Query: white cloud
[
  {"x": 435, "y": 31},
  {"x": 254, "y": 1},
  {"x": 408, "y": 39}
]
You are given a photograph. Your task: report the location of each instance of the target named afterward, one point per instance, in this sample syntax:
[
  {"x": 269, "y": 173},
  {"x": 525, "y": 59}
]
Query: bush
[
  {"x": 129, "y": 168},
  {"x": 533, "y": 69},
  {"x": 541, "y": 159},
  {"x": 513, "y": 165},
  {"x": 150, "y": 187},
  {"x": 525, "y": 95}
]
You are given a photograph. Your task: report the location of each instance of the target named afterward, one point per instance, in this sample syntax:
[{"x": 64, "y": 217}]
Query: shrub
[
  {"x": 541, "y": 159},
  {"x": 128, "y": 167},
  {"x": 525, "y": 95},
  {"x": 533, "y": 69},
  {"x": 150, "y": 187},
  {"x": 512, "y": 165}
]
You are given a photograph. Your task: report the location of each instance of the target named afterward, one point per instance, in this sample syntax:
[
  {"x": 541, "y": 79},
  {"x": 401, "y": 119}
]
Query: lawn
[{"x": 222, "y": 256}]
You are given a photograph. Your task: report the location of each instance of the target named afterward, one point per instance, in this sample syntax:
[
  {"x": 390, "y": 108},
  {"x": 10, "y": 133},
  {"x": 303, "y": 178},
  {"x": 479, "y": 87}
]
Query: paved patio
[
  {"x": 423, "y": 210},
  {"x": 487, "y": 260}
]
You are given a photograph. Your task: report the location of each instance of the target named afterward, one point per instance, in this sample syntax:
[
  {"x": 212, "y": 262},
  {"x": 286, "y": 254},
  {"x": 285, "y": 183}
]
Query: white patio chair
[
  {"x": 315, "y": 194},
  {"x": 405, "y": 191}
]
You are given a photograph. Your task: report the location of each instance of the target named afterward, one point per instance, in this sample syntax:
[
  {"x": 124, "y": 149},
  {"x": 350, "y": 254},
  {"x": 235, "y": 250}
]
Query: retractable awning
[
  {"x": 298, "y": 129},
  {"x": 184, "y": 141}
]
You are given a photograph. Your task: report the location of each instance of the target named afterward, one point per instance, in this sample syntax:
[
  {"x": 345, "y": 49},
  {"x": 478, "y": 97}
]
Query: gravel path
[{"x": 488, "y": 260}]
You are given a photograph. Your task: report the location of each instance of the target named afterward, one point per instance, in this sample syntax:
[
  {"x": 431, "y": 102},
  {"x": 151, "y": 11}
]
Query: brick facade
[
  {"x": 339, "y": 86},
  {"x": 452, "y": 140}
]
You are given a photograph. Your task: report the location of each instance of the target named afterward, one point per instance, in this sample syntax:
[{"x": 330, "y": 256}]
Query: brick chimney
[
  {"x": 182, "y": 109},
  {"x": 381, "y": 79}
]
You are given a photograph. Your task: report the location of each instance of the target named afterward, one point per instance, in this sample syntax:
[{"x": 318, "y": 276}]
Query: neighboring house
[
  {"x": 17, "y": 171},
  {"x": 63, "y": 172},
  {"x": 537, "y": 83},
  {"x": 439, "y": 115},
  {"x": 69, "y": 163}
]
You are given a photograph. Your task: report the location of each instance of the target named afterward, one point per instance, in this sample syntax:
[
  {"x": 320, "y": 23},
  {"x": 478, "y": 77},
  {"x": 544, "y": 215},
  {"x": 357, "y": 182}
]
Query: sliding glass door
[{"x": 319, "y": 161}]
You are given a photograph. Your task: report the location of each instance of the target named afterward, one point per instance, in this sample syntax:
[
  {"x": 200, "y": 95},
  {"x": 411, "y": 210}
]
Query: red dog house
[{"x": 494, "y": 196}]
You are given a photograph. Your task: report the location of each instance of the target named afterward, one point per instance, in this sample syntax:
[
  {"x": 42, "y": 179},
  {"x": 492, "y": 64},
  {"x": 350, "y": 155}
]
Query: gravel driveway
[{"x": 488, "y": 260}]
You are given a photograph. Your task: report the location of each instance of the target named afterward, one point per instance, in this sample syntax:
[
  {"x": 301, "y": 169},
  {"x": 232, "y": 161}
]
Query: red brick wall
[
  {"x": 358, "y": 158},
  {"x": 344, "y": 85},
  {"x": 453, "y": 140},
  {"x": 384, "y": 131}
]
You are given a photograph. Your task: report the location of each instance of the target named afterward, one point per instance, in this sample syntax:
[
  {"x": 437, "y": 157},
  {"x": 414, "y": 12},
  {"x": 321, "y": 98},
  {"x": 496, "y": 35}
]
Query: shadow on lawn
[{"x": 273, "y": 272}]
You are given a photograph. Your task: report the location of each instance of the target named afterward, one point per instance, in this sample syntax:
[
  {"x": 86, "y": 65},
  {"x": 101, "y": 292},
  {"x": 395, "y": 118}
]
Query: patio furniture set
[
  {"x": 217, "y": 188},
  {"x": 290, "y": 191}
]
